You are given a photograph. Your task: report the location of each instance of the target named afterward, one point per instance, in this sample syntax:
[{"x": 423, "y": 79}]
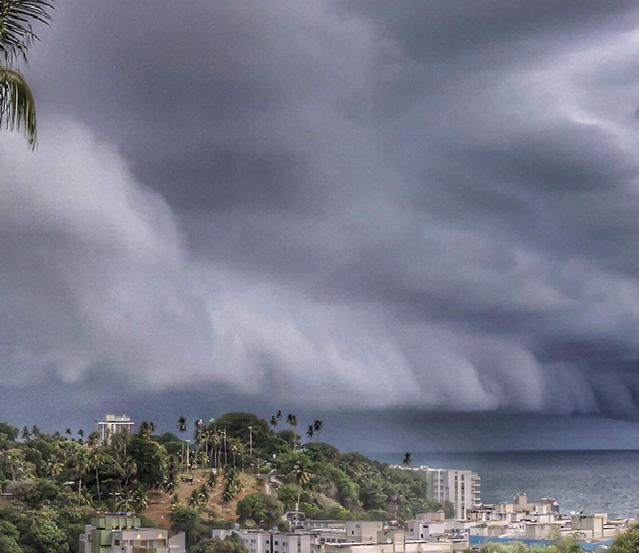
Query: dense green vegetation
[
  {"x": 53, "y": 483},
  {"x": 628, "y": 542}
]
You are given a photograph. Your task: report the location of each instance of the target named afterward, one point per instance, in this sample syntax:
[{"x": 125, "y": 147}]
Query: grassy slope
[{"x": 217, "y": 508}]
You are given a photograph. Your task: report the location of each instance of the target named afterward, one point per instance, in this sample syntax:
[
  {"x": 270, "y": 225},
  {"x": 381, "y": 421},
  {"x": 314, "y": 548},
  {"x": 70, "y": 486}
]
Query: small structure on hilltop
[{"x": 112, "y": 425}]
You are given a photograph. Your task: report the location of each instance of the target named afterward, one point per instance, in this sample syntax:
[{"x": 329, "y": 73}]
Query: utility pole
[
  {"x": 188, "y": 447},
  {"x": 251, "y": 441}
]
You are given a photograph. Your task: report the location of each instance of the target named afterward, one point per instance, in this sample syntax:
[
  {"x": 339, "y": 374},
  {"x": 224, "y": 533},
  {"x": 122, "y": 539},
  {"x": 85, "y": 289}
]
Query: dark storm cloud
[{"x": 414, "y": 205}]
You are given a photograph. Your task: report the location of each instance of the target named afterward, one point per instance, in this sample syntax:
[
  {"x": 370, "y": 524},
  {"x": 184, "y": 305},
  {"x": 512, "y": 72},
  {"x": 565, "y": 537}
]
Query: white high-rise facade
[
  {"x": 111, "y": 425},
  {"x": 462, "y": 488}
]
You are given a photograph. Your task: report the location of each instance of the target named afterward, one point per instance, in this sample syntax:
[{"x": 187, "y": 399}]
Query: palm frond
[
  {"x": 17, "y": 106},
  {"x": 16, "y": 17}
]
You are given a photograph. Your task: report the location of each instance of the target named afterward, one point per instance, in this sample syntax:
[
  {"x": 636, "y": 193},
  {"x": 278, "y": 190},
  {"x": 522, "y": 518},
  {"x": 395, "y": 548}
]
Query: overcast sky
[{"x": 367, "y": 210}]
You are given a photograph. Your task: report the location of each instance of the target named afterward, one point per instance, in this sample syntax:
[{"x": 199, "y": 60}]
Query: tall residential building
[
  {"x": 111, "y": 425},
  {"x": 462, "y": 488},
  {"x": 121, "y": 533}
]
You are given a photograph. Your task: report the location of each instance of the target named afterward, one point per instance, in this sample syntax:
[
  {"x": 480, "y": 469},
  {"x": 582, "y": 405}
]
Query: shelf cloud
[{"x": 420, "y": 206}]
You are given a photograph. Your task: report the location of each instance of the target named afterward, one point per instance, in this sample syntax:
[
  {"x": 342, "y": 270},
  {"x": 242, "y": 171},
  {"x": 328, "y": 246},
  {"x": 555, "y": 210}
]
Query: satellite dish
[{"x": 250, "y": 523}]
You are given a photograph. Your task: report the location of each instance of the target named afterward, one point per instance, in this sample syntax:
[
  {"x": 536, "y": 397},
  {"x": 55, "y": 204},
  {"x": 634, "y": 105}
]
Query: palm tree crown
[
  {"x": 17, "y": 106},
  {"x": 181, "y": 424}
]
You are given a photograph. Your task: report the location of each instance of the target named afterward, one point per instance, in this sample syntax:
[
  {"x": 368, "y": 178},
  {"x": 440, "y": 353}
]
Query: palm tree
[
  {"x": 292, "y": 421},
  {"x": 197, "y": 499},
  {"x": 81, "y": 466},
  {"x": 407, "y": 459},
  {"x": 241, "y": 450},
  {"x": 181, "y": 424},
  {"x": 146, "y": 429},
  {"x": 141, "y": 500},
  {"x": 217, "y": 447},
  {"x": 17, "y": 106},
  {"x": 213, "y": 439},
  {"x": 317, "y": 425},
  {"x": 234, "y": 450},
  {"x": 278, "y": 415},
  {"x": 97, "y": 456},
  {"x": 68, "y": 432},
  {"x": 301, "y": 476},
  {"x": 129, "y": 469},
  {"x": 126, "y": 502},
  {"x": 201, "y": 438},
  {"x": 273, "y": 422},
  {"x": 226, "y": 451},
  {"x": 168, "y": 486},
  {"x": 94, "y": 439},
  {"x": 310, "y": 432},
  {"x": 54, "y": 468},
  {"x": 232, "y": 484}
]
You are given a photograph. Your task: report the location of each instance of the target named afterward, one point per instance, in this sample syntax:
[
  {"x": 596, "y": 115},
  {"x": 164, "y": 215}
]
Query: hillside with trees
[{"x": 236, "y": 468}]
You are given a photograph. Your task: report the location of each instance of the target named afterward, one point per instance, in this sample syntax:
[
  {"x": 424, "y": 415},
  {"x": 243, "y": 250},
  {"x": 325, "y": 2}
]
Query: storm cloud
[{"x": 426, "y": 206}]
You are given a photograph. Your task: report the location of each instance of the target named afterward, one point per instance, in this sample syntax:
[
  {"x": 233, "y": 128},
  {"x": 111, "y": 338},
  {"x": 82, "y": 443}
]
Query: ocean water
[{"x": 589, "y": 481}]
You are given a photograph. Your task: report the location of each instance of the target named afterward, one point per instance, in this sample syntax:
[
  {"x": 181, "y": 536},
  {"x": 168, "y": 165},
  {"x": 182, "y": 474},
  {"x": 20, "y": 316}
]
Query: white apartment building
[
  {"x": 149, "y": 540},
  {"x": 341, "y": 531},
  {"x": 121, "y": 533},
  {"x": 462, "y": 488},
  {"x": 111, "y": 425},
  {"x": 271, "y": 541}
]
